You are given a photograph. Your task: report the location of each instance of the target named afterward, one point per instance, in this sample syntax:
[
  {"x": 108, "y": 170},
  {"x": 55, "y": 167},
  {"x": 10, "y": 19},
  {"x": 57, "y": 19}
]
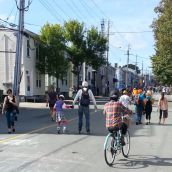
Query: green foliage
[
  {"x": 52, "y": 49},
  {"x": 96, "y": 47},
  {"x": 134, "y": 67},
  {"x": 74, "y": 34},
  {"x": 84, "y": 46},
  {"x": 80, "y": 46},
  {"x": 162, "y": 60}
]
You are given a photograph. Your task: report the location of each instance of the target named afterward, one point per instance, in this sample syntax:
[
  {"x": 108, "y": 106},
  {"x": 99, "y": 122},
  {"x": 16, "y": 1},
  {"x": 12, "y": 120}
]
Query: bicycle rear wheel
[
  {"x": 109, "y": 150},
  {"x": 126, "y": 147}
]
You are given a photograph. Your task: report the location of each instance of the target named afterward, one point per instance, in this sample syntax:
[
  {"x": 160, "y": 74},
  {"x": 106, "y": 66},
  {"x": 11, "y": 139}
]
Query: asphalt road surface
[{"x": 36, "y": 146}]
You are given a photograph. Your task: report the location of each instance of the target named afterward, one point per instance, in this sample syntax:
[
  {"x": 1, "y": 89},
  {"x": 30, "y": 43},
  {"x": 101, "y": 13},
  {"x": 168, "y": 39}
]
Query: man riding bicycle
[{"x": 114, "y": 110}]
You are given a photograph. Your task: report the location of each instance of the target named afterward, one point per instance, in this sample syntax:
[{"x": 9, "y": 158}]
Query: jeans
[
  {"x": 10, "y": 118},
  {"x": 139, "y": 114},
  {"x": 86, "y": 111}
]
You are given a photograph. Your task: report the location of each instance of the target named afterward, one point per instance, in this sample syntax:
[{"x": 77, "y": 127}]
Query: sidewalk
[
  {"x": 157, "y": 96},
  {"x": 32, "y": 105}
]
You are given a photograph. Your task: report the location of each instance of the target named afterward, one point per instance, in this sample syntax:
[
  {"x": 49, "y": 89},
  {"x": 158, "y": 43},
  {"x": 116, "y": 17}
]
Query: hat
[
  {"x": 61, "y": 96},
  {"x": 84, "y": 84},
  {"x": 114, "y": 94},
  {"x": 125, "y": 92}
]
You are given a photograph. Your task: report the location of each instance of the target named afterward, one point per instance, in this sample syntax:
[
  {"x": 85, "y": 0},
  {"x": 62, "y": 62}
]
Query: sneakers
[
  {"x": 64, "y": 129},
  {"x": 88, "y": 131},
  {"x": 58, "y": 130}
]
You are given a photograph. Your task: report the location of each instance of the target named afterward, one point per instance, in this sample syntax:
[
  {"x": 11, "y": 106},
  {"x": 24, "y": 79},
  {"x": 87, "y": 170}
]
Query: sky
[{"x": 129, "y": 27}]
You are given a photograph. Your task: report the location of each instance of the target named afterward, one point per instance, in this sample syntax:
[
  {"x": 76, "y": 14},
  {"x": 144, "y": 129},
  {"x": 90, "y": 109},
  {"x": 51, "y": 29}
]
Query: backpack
[
  {"x": 85, "y": 98},
  {"x": 148, "y": 106}
]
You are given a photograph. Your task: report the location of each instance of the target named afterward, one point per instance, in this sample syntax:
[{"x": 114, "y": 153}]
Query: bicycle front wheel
[
  {"x": 109, "y": 151},
  {"x": 126, "y": 147}
]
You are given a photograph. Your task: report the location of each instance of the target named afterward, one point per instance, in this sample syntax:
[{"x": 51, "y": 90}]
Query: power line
[
  {"x": 86, "y": 7},
  {"x": 9, "y": 23},
  {"x": 24, "y": 8},
  {"x": 101, "y": 11},
  {"x": 73, "y": 9},
  {"x": 61, "y": 9},
  {"x": 148, "y": 31},
  {"x": 77, "y": 9},
  {"x": 10, "y": 13},
  {"x": 52, "y": 12},
  {"x": 52, "y": 8},
  {"x": 15, "y": 16}
]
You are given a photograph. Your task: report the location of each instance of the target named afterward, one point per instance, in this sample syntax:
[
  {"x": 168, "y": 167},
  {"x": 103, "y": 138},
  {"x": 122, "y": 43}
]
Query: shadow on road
[{"x": 142, "y": 161}]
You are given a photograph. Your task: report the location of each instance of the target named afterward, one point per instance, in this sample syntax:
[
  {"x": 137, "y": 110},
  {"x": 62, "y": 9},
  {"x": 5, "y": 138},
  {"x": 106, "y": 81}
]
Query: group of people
[
  {"x": 114, "y": 109},
  {"x": 143, "y": 102},
  {"x": 56, "y": 105}
]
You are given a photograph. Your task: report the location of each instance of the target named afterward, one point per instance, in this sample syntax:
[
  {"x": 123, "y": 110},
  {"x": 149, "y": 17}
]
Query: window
[
  {"x": 89, "y": 76},
  {"x": 28, "y": 83},
  {"x": 38, "y": 80},
  {"x": 37, "y": 53},
  {"x": 28, "y": 48}
]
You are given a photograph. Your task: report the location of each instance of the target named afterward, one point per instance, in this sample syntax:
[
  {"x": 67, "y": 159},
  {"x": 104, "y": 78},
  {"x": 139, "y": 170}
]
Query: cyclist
[{"x": 114, "y": 111}]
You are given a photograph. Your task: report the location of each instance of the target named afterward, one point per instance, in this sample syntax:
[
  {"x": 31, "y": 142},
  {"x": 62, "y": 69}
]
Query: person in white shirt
[{"x": 125, "y": 99}]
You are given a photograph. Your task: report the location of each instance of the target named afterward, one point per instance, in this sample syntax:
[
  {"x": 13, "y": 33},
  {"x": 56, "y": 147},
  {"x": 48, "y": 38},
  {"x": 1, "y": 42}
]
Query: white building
[{"x": 32, "y": 83}]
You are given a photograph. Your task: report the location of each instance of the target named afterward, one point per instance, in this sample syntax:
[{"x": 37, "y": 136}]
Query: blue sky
[{"x": 126, "y": 16}]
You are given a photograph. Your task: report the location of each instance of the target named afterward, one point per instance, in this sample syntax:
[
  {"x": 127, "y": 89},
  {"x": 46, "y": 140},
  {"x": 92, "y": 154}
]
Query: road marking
[
  {"x": 31, "y": 132},
  {"x": 34, "y": 131}
]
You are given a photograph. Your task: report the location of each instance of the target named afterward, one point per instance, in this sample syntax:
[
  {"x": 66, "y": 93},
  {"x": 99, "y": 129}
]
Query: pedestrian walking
[
  {"x": 125, "y": 99},
  {"x": 51, "y": 99},
  {"x": 60, "y": 117},
  {"x": 163, "y": 108},
  {"x": 148, "y": 106},
  {"x": 139, "y": 103},
  {"x": 10, "y": 106},
  {"x": 84, "y": 95}
]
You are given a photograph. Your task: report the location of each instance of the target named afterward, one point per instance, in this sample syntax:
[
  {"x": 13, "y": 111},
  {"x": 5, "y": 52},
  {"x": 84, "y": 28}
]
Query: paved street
[{"x": 36, "y": 146}]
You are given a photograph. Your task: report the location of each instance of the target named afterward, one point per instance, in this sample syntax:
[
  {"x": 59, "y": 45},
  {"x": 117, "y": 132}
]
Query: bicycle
[{"x": 113, "y": 146}]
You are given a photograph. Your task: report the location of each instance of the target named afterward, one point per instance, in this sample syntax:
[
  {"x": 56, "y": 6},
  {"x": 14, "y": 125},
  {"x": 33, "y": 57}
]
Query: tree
[
  {"x": 84, "y": 46},
  {"x": 96, "y": 47},
  {"x": 74, "y": 34},
  {"x": 162, "y": 27},
  {"x": 134, "y": 67},
  {"x": 52, "y": 59}
]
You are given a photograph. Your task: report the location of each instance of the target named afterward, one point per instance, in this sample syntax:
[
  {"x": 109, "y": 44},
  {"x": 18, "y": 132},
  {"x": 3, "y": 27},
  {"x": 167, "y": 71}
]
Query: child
[
  {"x": 148, "y": 106},
  {"x": 60, "y": 118}
]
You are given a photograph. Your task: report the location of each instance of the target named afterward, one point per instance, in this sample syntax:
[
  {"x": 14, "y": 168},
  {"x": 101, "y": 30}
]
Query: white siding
[{"x": 28, "y": 65}]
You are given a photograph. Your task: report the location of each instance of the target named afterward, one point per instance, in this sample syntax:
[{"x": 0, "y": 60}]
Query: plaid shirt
[{"x": 114, "y": 111}]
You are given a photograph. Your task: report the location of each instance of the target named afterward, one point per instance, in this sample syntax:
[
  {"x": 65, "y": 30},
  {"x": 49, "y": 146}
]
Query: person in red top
[{"x": 114, "y": 110}]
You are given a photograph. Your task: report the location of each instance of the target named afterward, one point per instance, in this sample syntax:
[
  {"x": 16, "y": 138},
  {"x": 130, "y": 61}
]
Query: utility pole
[
  {"x": 84, "y": 72},
  {"x": 142, "y": 68},
  {"x": 107, "y": 58},
  {"x": 17, "y": 69},
  {"x": 126, "y": 76},
  {"x": 136, "y": 65}
]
